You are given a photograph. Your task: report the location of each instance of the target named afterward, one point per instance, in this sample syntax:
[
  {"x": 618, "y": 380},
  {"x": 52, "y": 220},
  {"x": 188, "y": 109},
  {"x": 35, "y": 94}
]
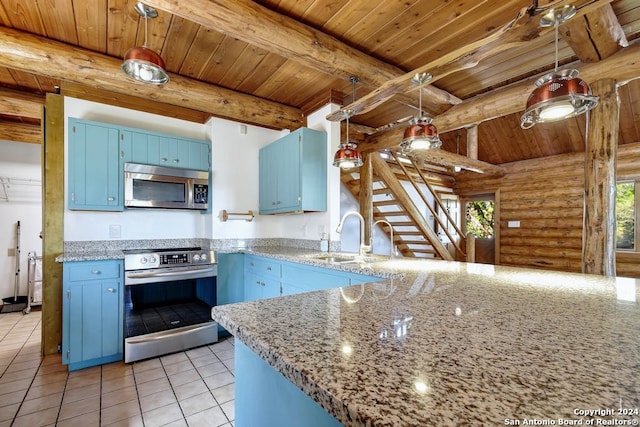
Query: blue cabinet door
[
  {"x": 230, "y": 280},
  {"x": 293, "y": 173},
  {"x": 95, "y": 177},
  {"x": 92, "y": 313}
]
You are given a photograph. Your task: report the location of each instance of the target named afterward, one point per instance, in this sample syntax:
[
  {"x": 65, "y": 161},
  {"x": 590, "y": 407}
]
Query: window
[
  {"x": 480, "y": 218},
  {"x": 626, "y": 215}
]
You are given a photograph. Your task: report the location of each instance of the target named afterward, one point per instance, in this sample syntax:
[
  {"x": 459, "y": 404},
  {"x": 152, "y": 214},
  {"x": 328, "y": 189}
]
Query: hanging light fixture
[
  {"x": 140, "y": 62},
  {"x": 421, "y": 134},
  {"x": 348, "y": 156},
  {"x": 559, "y": 94}
]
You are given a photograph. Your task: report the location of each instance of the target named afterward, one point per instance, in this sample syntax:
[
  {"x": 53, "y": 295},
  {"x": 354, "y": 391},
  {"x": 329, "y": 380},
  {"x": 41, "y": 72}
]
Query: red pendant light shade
[
  {"x": 560, "y": 94},
  {"x": 144, "y": 65},
  {"x": 347, "y": 156},
  {"x": 140, "y": 62},
  {"x": 421, "y": 134}
]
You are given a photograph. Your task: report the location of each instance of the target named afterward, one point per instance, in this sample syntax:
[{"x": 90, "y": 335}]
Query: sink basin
[{"x": 342, "y": 258}]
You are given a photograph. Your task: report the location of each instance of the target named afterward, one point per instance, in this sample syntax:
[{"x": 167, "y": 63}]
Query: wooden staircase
[{"x": 414, "y": 234}]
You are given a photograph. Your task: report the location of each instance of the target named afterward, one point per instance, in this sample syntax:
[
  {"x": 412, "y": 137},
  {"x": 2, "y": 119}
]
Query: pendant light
[
  {"x": 348, "y": 156},
  {"x": 421, "y": 134},
  {"x": 140, "y": 62},
  {"x": 559, "y": 94}
]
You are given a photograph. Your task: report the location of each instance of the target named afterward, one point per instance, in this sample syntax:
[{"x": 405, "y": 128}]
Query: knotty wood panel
[{"x": 547, "y": 197}]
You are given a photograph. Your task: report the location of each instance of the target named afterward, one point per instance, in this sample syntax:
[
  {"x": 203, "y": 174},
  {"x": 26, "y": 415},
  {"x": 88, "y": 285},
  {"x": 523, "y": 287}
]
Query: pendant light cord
[
  {"x": 145, "y": 29},
  {"x": 556, "y": 24}
]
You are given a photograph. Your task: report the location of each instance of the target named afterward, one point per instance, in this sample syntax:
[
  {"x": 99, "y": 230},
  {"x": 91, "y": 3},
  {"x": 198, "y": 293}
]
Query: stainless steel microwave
[{"x": 147, "y": 186}]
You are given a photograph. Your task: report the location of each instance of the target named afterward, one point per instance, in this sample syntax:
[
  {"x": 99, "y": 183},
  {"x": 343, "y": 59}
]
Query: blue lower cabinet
[
  {"x": 92, "y": 313},
  {"x": 265, "y": 398}
]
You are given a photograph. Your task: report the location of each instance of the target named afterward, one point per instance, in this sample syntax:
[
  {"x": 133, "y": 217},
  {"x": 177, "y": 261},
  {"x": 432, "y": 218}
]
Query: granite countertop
[{"x": 447, "y": 343}]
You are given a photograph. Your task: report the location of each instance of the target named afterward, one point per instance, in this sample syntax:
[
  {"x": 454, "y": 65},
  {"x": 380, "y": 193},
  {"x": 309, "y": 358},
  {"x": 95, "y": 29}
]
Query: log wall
[{"x": 547, "y": 197}]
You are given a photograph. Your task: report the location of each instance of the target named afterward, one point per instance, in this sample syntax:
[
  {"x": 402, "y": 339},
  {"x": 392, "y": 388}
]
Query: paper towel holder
[{"x": 236, "y": 216}]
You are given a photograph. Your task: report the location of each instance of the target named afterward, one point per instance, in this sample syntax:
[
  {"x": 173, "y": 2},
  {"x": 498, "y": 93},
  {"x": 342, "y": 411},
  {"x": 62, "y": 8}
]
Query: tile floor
[{"x": 191, "y": 388}]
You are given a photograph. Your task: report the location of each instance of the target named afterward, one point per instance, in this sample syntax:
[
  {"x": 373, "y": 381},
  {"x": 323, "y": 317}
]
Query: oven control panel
[{"x": 142, "y": 260}]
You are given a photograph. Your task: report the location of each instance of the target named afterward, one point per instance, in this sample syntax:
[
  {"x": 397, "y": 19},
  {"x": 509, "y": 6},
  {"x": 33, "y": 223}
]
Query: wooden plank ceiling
[{"x": 270, "y": 62}]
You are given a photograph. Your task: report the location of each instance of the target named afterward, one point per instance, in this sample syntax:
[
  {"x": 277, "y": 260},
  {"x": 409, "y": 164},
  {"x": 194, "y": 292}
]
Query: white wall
[
  {"x": 132, "y": 223},
  {"x": 20, "y": 161},
  {"x": 235, "y": 183}
]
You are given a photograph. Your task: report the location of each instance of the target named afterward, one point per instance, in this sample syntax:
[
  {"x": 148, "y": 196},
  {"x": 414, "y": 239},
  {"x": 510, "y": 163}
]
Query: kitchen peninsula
[{"x": 441, "y": 343}]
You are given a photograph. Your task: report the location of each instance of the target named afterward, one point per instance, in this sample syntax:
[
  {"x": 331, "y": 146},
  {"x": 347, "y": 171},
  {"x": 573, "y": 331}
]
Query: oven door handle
[{"x": 151, "y": 275}]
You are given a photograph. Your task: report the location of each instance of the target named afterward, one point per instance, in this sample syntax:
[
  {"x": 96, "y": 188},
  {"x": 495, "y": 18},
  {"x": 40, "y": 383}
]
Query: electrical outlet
[{"x": 11, "y": 252}]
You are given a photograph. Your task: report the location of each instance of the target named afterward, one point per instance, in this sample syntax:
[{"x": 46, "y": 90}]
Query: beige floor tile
[
  {"x": 128, "y": 422},
  {"x": 16, "y": 376},
  {"x": 193, "y": 388},
  {"x": 8, "y": 412},
  {"x": 177, "y": 423},
  {"x": 157, "y": 400},
  {"x": 52, "y": 368},
  {"x": 205, "y": 360},
  {"x": 79, "y": 407},
  {"x": 212, "y": 369},
  {"x": 81, "y": 393},
  {"x": 170, "y": 359},
  {"x": 162, "y": 416},
  {"x": 37, "y": 419},
  {"x": 176, "y": 368},
  {"x": 146, "y": 365},
  {"x": 198, "y": 352},
  {"x": 148, "y": 375},
  {"x": 24, "y": 364},
  {"x": 83, "y": 381},
  {"x": 50, "y": 378},
  {"x": 45, "y": 390},
  {"x": 197, "y": 403},
  {"x": 212, "y": 417},
  {"x": 12, "y": 397},
  {"x": 224, "y": 394},
  {"x": 84, "y": 420},
  {"x": 40, "y": 404},
  {"x": 118, "y": 383},
  {"x": 225, "y": 354},
  {"x": 219, "y": 380},
  {"x": 19, "y": 384},
  {"x": 154, "y": 386},
  {"x": 184, "y": 377},
  {"x": 119, "y": 396},
  {"x": 229, "y": 409},
  {"x": 116, "y": 370},
  {"x": 120, "y": 412}
]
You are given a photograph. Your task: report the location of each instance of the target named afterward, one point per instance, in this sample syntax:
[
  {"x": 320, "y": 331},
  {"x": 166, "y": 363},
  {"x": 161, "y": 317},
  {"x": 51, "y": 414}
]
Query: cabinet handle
[
  {"x": 268, "y": 268},
  {"x": 176, "y": 160},
  {"x": 111, "y": 290},
  {"x": 163, "y": 159},
  {"x": 94, "y": 271},
  {"x": 111, "y": 198},
  {"x": 73, "y": 196},
  {"x": 258, "y": 282}
]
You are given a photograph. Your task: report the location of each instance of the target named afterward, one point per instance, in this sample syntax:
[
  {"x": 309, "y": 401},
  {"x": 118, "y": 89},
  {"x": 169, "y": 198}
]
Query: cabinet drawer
[
  {"x": 264, "y": 267},
  {"x": 97, "y": 270}
]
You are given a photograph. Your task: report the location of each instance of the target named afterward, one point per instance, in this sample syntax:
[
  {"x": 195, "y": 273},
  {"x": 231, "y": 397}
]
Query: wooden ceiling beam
[
  {"x": 21, "y": 104},
  {"x": 521, "y": 30},
  {"x": 34, "y": 54},
  {"x": 623, "y": 66},
  {"x": 20, "y": 132},
  {"x": 595, "y": 36},
  {"x": 255, "y": 24}
]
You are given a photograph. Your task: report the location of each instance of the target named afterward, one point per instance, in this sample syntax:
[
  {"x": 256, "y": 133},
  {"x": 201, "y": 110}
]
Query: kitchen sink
[{"x": 345, "y": 258}]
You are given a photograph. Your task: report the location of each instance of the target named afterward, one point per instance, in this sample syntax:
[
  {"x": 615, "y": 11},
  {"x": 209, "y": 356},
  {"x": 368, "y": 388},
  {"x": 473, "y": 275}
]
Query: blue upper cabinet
[
  {"x": 95, "y": 181},
  {"x": 293, "y": 173},
  {"x": 98, "y": 151}
]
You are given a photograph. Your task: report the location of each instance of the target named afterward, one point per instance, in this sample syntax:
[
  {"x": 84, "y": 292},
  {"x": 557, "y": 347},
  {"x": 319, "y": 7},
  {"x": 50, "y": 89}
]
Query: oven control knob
[
  {"x": 143, "y": 260},
  {"x": 196, "y": 257},
  {"x": 153, "y": 259},
  {"x": 203, "y": 257}
]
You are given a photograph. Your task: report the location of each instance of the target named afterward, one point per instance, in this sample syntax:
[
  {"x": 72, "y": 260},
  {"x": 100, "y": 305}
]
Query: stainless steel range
[{"x": 169, "y": 294}]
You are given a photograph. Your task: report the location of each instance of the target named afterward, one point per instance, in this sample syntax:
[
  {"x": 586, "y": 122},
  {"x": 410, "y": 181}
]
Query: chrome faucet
[
  {"x": 392, "y": 244},
  {"x": 364, "y": 249}
]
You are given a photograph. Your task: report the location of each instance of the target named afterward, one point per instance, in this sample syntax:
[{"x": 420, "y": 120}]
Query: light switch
[{"x": 514, "y": 224}]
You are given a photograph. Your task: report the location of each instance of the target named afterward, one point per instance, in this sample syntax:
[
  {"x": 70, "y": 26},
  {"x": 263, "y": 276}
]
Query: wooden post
[
  {"x": 366, "y": 195},
  {"x": 471, "y": 248},
  {"x": 598, "y": 242},
  {"x": 472, "y": 142},
  {"x": 52, "y": 221}
]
